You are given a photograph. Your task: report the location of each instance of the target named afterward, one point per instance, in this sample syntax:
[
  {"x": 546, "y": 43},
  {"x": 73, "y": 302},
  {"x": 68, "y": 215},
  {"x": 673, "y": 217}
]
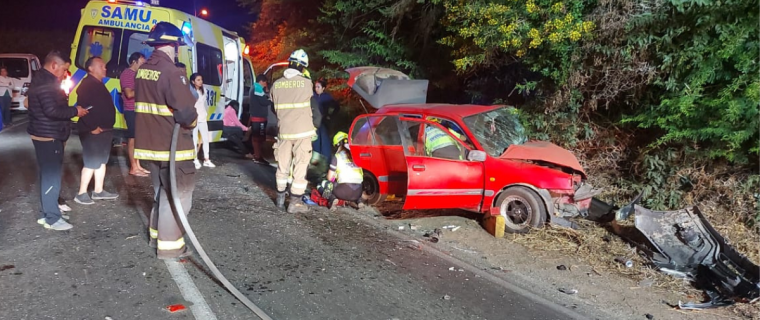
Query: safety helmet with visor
[{"x": 339, "y": 137}]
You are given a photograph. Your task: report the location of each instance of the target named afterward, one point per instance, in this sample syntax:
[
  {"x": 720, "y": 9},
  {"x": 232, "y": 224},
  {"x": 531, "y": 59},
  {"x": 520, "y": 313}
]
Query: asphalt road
[{"x": 318, "y": 265}]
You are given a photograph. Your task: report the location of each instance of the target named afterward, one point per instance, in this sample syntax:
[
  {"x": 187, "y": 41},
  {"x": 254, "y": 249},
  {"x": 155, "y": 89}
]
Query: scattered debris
[
  {"x": 465, "y": 250},
  {"x": 449, "y": 227},
  {"x": 433, "y": 239},
  {"x": 233, "y": 176},
  {"x": 7, "y": 267},
  {"x": 568, "y": 291},
  {"x": 446, "y": 297},
  {"x": 649, "y": 316},
  {"x": 646, "y": 283},
  {"x": 626, "y": 262},
  {"x": 455, "y": 228},
  {"x": 175, "y": 308},
  {"x": 130, "y": 237},
  {"x": 561, "y": 267},
  {"x": 109, "y": 318},
  {"x": 413, "y": 227},
  {"x": 687, "y": 246},
  {"x": 401, "y": 227},
  {"x": 391, "y": 262}
]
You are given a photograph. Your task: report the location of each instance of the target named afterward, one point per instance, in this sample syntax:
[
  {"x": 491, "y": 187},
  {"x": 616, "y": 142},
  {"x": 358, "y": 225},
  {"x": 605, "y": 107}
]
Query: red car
[{"x": 493, "y": 169}]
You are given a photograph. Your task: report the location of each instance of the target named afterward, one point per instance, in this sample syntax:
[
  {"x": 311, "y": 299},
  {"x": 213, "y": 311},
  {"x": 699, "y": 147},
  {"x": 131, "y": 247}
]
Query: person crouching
[
  {"x": 345, "y": 176},
  {"x": 233, "y": 129}
]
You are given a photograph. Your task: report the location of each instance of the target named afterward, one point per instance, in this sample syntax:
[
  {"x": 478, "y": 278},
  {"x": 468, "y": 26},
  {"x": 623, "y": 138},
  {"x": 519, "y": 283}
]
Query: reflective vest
[
  {"x": 346, "y": 170},
  {"x": 437, "y": 139}
]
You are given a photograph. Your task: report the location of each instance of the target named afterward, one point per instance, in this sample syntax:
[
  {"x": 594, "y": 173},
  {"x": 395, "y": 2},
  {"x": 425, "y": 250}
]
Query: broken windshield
[{"x": 496, "y": 130}]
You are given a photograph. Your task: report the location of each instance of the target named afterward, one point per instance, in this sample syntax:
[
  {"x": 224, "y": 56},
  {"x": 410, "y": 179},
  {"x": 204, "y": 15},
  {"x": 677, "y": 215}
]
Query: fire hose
[{"x": 189, "y": 231}]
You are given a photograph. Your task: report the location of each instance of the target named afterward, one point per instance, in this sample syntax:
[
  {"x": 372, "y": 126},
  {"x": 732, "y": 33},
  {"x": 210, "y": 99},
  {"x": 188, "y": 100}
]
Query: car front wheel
[{"x": 522, "y": 210}]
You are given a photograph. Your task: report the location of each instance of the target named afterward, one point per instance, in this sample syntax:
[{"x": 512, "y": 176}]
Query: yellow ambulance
[{"x": 114, "y": 29}]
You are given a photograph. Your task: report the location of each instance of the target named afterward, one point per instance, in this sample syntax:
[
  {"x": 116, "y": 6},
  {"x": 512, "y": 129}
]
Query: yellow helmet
[
  {"x": 436, "y": 120},
  {"x": 339, "y": 137}
]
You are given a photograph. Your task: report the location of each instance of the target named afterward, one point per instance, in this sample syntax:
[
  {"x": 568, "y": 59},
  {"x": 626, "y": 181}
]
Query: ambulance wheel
[
  {"x": 522, "y": 210},
  {"x": 371, "y": 190}
]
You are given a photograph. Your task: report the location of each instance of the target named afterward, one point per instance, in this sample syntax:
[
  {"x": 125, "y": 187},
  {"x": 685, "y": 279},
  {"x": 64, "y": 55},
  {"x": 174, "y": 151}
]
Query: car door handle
[
  {"x": 365, "y": 155},
  {"x": 418, "y": 167}
]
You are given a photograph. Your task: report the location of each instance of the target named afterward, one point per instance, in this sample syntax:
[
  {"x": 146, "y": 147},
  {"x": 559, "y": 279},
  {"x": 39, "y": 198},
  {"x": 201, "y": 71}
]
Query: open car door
[
  {"x": 436, "y": 180},
  {"x": 376, "y": 147}
]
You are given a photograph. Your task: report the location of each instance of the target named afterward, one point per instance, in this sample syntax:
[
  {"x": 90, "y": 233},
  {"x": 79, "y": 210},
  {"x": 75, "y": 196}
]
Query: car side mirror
[{"x": 476, "y": 155}]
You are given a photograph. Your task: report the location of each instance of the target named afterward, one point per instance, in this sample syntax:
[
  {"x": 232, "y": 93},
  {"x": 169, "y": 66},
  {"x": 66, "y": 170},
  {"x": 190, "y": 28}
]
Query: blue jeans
[{"x": 50, "y": 167}]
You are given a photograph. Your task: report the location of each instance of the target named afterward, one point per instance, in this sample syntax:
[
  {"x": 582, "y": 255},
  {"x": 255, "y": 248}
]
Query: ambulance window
[
  {"x": 210, "y": 63},
  {"x": 97, "y": 41},
  {"x": 134, "y": 43}
]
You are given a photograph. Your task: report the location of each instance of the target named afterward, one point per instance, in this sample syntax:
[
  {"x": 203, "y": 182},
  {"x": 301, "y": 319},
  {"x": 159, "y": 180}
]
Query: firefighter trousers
[
  {"x": 165, "y": 226},
  {"x": 294, "y": 154}
]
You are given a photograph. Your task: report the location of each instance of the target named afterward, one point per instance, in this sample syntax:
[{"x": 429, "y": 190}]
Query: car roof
[
  {"x": 439, "y": 109},
  {"x": 17, "y": 55}
]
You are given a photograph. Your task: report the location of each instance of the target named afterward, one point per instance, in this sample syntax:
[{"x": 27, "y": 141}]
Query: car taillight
[{"x": 67, "y": 84}]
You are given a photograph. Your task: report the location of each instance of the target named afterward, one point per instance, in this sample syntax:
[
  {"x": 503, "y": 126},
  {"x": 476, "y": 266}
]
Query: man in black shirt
[{"x": 95, "y": 131}]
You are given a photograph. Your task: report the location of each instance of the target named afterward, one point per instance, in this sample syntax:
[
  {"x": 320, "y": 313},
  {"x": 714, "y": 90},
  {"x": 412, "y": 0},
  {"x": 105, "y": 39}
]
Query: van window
[
  {"x": 112, "y": 45},
  {"x": 210, "y": 64},
  {"x": 247, "y": 76},
  {"x": 17, "y": 67}
]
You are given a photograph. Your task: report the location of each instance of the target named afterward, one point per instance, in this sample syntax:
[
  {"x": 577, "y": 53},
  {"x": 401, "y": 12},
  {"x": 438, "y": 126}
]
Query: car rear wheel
[
  {"x": 371, "y": 190},
  {"x": 522, "y": 210}
]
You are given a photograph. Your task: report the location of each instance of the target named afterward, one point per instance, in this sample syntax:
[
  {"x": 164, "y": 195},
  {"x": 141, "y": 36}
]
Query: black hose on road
[{"x": 181, "y": 214}]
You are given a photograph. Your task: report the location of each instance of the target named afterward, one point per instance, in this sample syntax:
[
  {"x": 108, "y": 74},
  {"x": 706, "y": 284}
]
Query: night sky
[{"x": 64, "y": 14}]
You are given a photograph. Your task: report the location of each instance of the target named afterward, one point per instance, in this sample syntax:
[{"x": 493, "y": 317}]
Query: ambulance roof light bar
[{"x": 137, "y": 3}]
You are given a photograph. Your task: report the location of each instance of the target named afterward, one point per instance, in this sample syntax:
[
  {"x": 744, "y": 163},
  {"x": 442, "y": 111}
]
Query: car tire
[
  {"x": 522, "y": 210},
  {"x": 371, "y": 190}
]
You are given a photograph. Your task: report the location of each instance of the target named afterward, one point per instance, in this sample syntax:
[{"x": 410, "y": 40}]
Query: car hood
[{"x": 543, "y": 151}]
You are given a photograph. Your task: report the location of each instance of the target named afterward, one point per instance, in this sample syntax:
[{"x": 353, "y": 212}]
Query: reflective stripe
[
  {"x": 299, "y": 185},
  {"x": 295, "y": 136},
  {"x": 171, "y": 245},
  {"x": 152, "y": 108},
  {"x": 153, "y": 233},
  {"x": 382, "y": 178},
  {"x": 143, "y": 154},
  {"x": 444, "y": 192},
  {"x": 436, "y": 139},
  {"x": 346, "y": 170},
  {"x": 299, "y": 105}
]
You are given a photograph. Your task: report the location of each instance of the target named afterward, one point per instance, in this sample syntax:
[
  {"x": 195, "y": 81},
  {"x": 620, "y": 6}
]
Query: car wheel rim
[{"x": 516, "y": 211}]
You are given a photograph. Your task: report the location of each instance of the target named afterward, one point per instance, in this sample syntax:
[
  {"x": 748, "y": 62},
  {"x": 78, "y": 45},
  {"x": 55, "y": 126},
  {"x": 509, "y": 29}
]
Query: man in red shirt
[{"x": 127, "y": 79}]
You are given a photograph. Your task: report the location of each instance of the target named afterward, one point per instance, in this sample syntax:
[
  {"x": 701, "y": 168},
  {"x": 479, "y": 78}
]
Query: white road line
[{"x": 187, "y": 287}]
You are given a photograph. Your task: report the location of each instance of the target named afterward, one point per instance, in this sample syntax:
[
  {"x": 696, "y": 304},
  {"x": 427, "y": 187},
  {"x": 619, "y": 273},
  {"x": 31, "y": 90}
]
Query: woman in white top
[{"x": 196, "y": 83}]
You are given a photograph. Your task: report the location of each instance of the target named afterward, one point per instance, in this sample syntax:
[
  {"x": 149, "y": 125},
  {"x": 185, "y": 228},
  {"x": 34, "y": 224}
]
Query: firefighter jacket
[
  {"x": 162, "y": 99},
  {"x": 345, "y": 169},
  {"x": 296, "y": 113}
]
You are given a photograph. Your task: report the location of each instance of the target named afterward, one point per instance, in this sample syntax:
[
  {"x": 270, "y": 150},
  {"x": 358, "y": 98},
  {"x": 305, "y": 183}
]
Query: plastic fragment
[{"x": 175, "y": 308}]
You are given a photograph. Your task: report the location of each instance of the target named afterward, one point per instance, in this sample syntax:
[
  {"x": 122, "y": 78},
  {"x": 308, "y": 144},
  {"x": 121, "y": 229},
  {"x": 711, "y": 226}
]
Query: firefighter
[
  {"x": 297, "y": 117},
  {"x": 345, "y": 176},
  {"x": 162, "y": 100},
  {"x": 439, "y": 144}
]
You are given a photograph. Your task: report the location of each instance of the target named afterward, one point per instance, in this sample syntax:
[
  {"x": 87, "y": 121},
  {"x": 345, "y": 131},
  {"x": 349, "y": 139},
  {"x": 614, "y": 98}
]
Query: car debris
[
  {"x": 568, "y": 291},
  {"x": 626, "y": 262},
  {"x": 686, "y": 246},
  {"x": 561, "y": 267}
]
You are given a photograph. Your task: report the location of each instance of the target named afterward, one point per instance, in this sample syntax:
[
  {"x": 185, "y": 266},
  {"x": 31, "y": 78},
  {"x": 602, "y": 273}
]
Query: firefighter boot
[
  {"x": 297, "y": 206},
  {"x": 281, "y": 200}
]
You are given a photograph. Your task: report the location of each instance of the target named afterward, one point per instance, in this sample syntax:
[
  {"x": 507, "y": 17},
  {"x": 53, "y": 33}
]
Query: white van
[{"x": 21, "y": 66}]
